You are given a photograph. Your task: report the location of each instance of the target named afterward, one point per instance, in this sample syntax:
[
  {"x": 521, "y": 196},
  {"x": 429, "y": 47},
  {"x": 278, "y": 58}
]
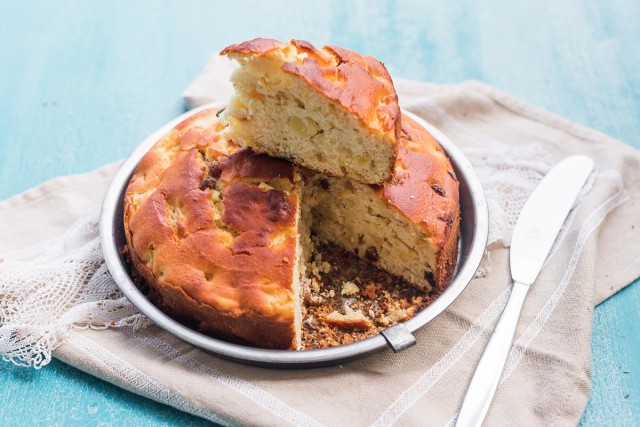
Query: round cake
[{"x": 221, "y": 235}]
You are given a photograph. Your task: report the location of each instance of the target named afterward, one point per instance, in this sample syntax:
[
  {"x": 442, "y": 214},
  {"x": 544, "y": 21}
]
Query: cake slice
[
  {"x": 331, "y": 110},
  {"x": 213, "y": 229}
]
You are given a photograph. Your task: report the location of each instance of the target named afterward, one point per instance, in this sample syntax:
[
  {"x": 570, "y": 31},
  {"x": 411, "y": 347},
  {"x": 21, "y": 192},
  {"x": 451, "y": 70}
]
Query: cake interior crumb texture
[
  {"x": 283, "y": 115},
  {"x": 352, "y": 216}
]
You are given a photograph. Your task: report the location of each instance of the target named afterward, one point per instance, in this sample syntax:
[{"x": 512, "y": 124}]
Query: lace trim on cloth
[{"x": 50, "y": 288}]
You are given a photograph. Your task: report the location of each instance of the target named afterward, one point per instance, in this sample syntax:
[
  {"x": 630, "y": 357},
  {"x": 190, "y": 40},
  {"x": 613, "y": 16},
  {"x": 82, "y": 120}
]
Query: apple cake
[
  {"x": 307, "y": 213},
  {"x": 330, "y": 110}
]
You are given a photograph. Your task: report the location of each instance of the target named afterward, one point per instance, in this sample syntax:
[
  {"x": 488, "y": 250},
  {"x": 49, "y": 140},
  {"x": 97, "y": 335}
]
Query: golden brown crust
[
  {"x": 257, "y": 46},
  {"x": 212, "y": 241},
  {"x": 360, "y": 84},
  {"x": 247, "y": 164},
  {"x": 425, "y": 189}
]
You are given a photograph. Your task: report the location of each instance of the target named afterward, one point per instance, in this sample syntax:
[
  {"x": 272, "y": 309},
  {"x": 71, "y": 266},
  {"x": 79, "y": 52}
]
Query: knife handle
[{"x": 487, "y": 375}]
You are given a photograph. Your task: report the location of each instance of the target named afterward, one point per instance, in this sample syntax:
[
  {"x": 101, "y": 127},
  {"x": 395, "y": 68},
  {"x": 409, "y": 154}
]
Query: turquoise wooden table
[{"x": 81, "y": 83}]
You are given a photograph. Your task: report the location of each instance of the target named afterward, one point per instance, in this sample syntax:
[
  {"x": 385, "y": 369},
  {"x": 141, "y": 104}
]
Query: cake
[
  {"x": 330, "y": 110},
  {"x": 230, "y": 240},
  {"x": 213, "y": 229}
]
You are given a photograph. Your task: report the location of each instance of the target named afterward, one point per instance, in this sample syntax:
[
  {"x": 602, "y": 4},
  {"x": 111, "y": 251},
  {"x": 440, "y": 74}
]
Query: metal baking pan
[{"x": 474, "y": 227}]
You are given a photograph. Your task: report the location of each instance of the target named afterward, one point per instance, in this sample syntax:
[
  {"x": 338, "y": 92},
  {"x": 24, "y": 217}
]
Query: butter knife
[{"x": 535, "y": 232}]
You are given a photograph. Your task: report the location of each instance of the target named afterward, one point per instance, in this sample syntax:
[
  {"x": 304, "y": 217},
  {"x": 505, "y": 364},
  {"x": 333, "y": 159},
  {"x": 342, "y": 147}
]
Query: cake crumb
[
  {"x": 369, "y": 291},
  {"x": 349, "y": 288},
  {"x": 313, "y": 300},
  {"x": 351, "y": 320},
  {"x": 319, "y": 267},
  {"x": 398, "y": 314},
  {"x": 325, "y": 267}
]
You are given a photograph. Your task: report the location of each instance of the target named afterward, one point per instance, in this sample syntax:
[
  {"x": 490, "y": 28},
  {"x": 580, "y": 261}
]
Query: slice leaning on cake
[{"x": 330, "y": 110}]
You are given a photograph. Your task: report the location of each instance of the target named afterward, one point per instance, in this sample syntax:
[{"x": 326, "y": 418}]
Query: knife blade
[{"x": 535, "y": 232}]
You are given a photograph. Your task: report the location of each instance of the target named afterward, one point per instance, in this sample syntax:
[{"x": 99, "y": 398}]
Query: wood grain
[{"x": 83, "y": 82}]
